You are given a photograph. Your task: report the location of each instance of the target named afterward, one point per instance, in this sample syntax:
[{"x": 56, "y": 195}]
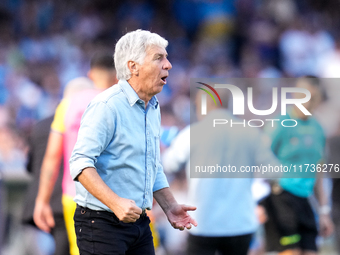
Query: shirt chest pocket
[{"x": 157, "y": 150}]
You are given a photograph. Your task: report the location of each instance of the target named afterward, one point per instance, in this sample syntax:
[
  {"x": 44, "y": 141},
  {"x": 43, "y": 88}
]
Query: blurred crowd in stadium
[{"x": 45, "y": 44}]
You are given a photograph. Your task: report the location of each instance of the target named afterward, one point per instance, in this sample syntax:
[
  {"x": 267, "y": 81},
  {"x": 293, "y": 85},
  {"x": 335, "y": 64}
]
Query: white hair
[
  {"x": 76, "y": 85},
  {"x": 132, "y": 47}
]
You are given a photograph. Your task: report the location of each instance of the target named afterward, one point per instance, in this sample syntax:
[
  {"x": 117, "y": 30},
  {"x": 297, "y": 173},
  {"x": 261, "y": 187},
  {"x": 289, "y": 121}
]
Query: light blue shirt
[
  {"x": 120, "y": 139},
  {"x": 225, "y": 206}
]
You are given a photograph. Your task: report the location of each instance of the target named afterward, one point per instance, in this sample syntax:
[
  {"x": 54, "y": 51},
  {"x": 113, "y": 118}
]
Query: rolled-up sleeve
[
  {"x": 96, "y": 131},
  {"x": 161, "y": 180}
]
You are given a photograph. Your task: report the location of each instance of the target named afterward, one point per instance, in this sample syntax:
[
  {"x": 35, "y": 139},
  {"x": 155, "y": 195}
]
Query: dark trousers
[
  {"x": 231, "y": 245},
  {"x": 290, "y": 218},
  {"x": 101, "y": 232},
  {"x": 336, "y": 219}
]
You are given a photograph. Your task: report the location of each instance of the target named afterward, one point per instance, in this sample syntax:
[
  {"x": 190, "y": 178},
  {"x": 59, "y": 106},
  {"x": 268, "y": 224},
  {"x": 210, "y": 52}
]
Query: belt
[{"x": 142, "y": 215}]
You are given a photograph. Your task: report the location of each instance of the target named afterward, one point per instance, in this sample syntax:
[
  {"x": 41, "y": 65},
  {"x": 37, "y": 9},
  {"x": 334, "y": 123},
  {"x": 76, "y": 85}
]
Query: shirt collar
[
  {"x": 132, "y": 96},
  {"x": 154, "y": 102}
]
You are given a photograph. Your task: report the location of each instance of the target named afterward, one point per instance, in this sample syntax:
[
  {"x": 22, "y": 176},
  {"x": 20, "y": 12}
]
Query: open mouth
[{"x": 164, "y": 79}]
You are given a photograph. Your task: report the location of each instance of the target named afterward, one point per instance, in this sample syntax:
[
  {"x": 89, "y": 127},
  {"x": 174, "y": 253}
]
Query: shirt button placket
[{"x": 148, "y": 160}]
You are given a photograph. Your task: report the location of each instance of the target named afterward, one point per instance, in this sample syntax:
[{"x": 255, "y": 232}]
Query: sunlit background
[{"x": 45, "y": 44}]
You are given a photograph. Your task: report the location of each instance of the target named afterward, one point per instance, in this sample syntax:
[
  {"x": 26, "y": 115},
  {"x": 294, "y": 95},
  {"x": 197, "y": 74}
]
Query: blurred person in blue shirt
[
  {"x": 116, "y": 160},
  {"x": 226, "y": 213}
]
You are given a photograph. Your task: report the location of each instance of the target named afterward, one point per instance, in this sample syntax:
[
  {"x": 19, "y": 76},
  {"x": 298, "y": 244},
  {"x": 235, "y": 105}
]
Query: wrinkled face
[{"x": 153, "y": 72}]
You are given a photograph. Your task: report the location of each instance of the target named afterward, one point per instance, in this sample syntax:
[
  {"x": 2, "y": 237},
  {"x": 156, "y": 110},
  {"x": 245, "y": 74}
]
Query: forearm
[
  {"x": 50, "y": 166},
  {"x": 94, "y": 184},
  {"x": 325, "y": 221},
  {"x": 165, "y": 199},
  {"x": 48, "y": 176},
  {"x": 319, "y": 192}
]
